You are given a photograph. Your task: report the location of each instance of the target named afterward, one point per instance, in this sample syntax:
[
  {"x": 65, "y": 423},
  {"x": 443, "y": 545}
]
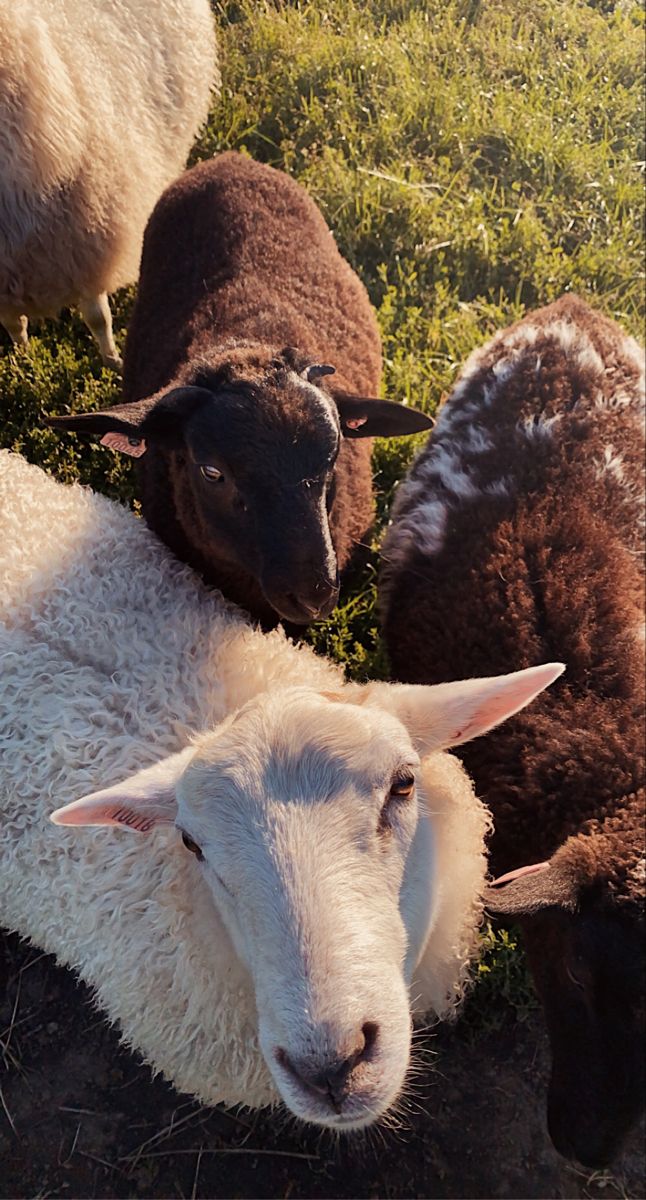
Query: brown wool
[
  {"x": 238, "y": 263},
  {"x": 541, "y": 561}
]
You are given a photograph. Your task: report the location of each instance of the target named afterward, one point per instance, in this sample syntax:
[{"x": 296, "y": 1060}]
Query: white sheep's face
[
  {"x": 305, "y": 811},
  {"x": 306, "y": 815}
]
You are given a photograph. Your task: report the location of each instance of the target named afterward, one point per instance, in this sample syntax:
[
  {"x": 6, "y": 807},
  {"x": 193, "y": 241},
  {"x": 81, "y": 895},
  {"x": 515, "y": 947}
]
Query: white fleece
[
  {"x": 100, "y": 101},
  {"x": 113, "y": 655}
]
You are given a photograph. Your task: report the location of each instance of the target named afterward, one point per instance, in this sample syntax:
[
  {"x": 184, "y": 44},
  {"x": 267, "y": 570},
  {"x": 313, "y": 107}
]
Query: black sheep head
[
  {"x": 251, "y": 448},
  {"x": 586, "y": 950}
]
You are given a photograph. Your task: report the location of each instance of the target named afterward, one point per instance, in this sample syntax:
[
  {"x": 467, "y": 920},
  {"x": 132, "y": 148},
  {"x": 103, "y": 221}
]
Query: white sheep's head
[{"x": 308, "y": 817}]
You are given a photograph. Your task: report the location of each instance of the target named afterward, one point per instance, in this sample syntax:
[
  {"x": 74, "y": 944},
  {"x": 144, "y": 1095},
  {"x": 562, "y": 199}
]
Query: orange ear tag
[
  {"x": 356, "y": 422},
  {"x": 135, "y": 447}
]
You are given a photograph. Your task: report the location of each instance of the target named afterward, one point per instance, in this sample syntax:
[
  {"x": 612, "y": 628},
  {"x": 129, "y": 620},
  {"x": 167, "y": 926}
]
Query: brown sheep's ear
[
  {"x": 127, "y": 426},
  {"x": 362, "y": 417},
  {"x": 530, "y": 889}
]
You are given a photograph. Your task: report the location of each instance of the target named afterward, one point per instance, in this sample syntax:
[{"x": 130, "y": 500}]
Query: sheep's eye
[
  {"x": 192, "y": 846},
  {"x": 402, "y": 785},
  {"x": 211, "y": 473},
  {"x": 401, "y": 788}
]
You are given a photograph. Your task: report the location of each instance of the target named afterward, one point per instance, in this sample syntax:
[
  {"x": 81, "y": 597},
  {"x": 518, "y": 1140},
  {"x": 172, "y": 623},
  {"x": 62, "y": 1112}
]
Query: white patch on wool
[
  {"x": 518, "y": 340},
  {"x": 501, "y": 371},
  {"x": 614, "y": 465},
  {"x": 621, "y": 398},
  {"x": 504, "y": 369},
  {"x": 432, "y": 520},
  {"x": 576, "y": 344},
  {"x": 638, "y": 872},
  {"x": 445, "y": 466},
  {"x": 475, "y": 440},
  {"x": 636, "y": 354},
  {"x": 538, "y": 426},
  {"x": 501, "y": 488},
  {"x": 508, "y": 349},
  {"x": 611, "y": 464},
  {"x": 423, "y": 529}
]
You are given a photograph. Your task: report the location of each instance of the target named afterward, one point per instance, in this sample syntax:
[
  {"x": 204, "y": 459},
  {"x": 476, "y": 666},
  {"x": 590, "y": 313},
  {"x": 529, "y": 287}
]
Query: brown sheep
[
  {"x": 250, "y": 466},
  {"x": 517, "y": 537}
]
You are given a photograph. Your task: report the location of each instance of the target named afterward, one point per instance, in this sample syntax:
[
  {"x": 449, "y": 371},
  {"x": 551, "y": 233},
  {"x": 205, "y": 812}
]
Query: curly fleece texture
[
  {"x": 100, "y": 101},
  {"x": 266, "y": 274},
  {"x": 113, "y": 656},
  {"x": 517, "y": 538}
]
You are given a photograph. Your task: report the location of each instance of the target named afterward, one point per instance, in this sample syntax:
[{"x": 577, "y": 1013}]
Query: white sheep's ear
[
  {"x": 139, "y": 803},
  {"x": 448, "y": 714}
]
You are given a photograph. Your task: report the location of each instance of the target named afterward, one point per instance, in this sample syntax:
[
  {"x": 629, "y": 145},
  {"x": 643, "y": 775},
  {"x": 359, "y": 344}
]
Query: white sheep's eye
[
  {"x": 402, "y": 785},
  {"x": 192, "y": 846},
  {"x": 211, "y": 473},
  {"x": 401, "y": 789}
]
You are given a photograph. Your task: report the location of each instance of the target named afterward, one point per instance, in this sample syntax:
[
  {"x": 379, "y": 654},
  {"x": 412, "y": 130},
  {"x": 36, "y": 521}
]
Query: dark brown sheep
[
  {"x": 249, "y": 465},
  {"x": 517, "y": 538}
]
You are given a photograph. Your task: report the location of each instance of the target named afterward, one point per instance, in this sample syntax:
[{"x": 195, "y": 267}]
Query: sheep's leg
[
  {"x": 95, "y": 311},
  {"x": 16, "y": 327}
]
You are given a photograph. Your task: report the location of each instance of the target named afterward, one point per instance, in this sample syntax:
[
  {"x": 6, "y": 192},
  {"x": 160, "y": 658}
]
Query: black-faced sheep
[
  {"x": 518, "y": 535},
  {"x": 332, "y": 865},
  {"x": 251, "y": 471},
  {"x": 100, "y": 101}
]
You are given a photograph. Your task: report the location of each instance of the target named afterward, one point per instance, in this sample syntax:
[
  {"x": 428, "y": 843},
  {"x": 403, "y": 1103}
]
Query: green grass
[{"x": 473, "y": 158}]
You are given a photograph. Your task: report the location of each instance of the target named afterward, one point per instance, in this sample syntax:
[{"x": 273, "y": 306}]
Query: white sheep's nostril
[
  {"x": 370, "y": 1032},
  {"x": 331, "y": 1078}
]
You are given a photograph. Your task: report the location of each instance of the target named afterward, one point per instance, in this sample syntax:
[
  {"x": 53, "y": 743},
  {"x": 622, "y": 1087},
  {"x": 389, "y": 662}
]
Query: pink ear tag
[
  {"x": 135, "y": 447},
  {"x": 519, "y": 873},
  {"x": 356, "y": 422}
]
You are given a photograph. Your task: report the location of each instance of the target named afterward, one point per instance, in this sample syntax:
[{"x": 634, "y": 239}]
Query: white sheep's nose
[{"x": 331, "y": 1079}]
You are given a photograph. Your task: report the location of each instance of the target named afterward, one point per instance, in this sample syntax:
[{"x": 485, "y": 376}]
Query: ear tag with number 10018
[{"x": 135, "y": 447}]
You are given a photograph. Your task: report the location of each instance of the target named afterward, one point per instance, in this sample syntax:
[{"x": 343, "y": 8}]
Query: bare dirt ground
[{"x": 80, "y": 1117}]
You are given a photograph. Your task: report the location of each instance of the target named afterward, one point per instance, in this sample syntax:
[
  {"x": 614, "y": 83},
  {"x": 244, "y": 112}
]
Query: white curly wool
[
  {"x": 113, "y": 656},
  {"x": 100, "y": 101}
]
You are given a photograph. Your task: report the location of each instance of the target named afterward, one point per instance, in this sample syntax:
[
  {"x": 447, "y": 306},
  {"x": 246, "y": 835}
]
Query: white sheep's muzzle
[{"x": 342, "y": 1074}]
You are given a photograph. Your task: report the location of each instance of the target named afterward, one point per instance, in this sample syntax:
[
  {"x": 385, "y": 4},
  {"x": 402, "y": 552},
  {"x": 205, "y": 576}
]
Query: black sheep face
[
  {"x": 257, "y": 476},
  {"x": 589, "y": 972},
  {"x": 251, "y": 453},
  {"x": 587, "y": 956}
]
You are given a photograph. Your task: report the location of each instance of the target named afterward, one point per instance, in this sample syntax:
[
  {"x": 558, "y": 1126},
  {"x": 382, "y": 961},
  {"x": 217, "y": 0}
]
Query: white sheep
[
  {"x": 332, "y": 872},
  {"x": 100, "y": 101}
]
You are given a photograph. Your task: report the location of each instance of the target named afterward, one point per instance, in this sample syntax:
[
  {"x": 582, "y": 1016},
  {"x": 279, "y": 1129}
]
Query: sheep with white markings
[
  {"x": 337, "y": 855},
  {"x": 519, "y": 535},
  {"x": 100, "y": 101}
]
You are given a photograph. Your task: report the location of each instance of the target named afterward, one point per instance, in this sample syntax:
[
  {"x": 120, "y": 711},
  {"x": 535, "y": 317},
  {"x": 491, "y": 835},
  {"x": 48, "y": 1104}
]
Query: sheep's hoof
[{"x": 114, "y": 363}]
